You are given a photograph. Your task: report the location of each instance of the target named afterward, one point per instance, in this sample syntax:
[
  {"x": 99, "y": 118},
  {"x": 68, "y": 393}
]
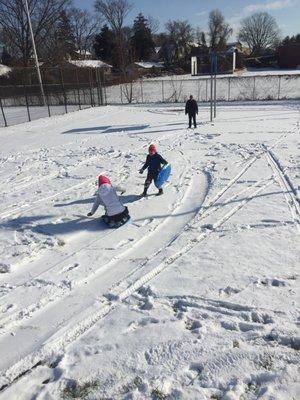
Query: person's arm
[
  {"x": 96, "y": 204},
  {"x": 145, "y": 166},
  {"x": 162, "y": 160}
]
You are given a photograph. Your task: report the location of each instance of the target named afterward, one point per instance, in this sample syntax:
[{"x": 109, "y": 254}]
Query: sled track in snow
[
  {"x": 88, "y": 159},
  {"x": 290, "y": 192},
  {"x": 32, "y": 205},
  {"x": 61, "y": 339},
  {"x": 65, "y": 336},
  {"x": 64, "y": 290},
  {"x": 104, "y": 236}
]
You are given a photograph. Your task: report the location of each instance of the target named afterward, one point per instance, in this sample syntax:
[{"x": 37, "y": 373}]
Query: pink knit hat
[
  {"x": 103, "y": 179},
  {"x": 152, "y": 149}
]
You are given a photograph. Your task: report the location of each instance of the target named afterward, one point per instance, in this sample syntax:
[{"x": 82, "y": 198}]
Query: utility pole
[
  {"x": 215, "y": 85},
  {"x": 211, "y": 86},
  {"x": 35, "y": 53}
]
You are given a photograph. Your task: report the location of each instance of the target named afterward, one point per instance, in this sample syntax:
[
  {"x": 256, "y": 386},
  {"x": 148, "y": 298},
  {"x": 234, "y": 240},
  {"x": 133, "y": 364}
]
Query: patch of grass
[
  {"x": 132, "y": 385},
  {"x": 77, "y": 391},
  {"x": 157, "y": 394},
  {"x": 61, "y": 242},
  {"x": 267, "y": 362}
]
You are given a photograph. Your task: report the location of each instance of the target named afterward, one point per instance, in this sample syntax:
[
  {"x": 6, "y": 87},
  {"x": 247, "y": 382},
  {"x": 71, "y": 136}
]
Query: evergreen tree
[
  {"x": 105, "y": 45},
  {"x": 6, "y": 58},
  {"x": 65, "y": 40},
  {"x": 142, "y": 39}
]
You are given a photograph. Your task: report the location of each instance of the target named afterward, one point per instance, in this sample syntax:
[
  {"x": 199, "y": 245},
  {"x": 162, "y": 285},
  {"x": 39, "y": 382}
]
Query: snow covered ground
[
  {"x": 18, "y": 114},
  {"x": 246, "y": 72},
  {"x": 195, "y": 298}
]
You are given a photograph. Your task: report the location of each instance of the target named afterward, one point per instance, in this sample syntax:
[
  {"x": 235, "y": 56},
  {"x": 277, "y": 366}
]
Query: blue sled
[{"x": 163, "y": 176}]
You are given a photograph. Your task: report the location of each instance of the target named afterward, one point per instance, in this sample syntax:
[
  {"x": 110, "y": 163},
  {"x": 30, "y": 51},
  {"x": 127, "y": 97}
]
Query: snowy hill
[{"x": 195, "y": 298}]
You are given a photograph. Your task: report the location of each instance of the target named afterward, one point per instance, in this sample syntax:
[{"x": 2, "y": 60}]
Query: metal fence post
[
  {"x": 121, "y": 93},
  {"x": 211, "y": 95},
  {"x": 105, "y": 93},
  {"x": 142, "y": 94},
  {"x": 2, "y": 110},
  {"x": 163, "y": 91},
  {"x": 206, "y": 89},
  {"x": 100, "y": 86},
  {"x": 215, "y": 88},
  {"x": 63, "y": 89},
  {"x": 91, "y": 91},
  {"x": 78, "y": 91},
  {"x": 253, "y": 94},
  {"x": 279, "y": 86},
  {"x": 46, "y": 96},
  {"x": 97, "y": 84},
  {"x": 47, "y": 101},
  {"x": 26, "y": 99},
  {"x": 229, "y": 82}
]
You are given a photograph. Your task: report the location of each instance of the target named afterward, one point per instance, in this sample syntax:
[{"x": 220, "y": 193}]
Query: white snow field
[{"x": 195, "y": 298}]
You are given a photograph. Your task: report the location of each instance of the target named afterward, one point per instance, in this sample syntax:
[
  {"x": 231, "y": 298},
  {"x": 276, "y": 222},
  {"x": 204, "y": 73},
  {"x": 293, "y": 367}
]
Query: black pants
[
  {"x": 118, "y": 217},
  {"x": 151, "y": 176},
  {"x": 192, "y": 116}
]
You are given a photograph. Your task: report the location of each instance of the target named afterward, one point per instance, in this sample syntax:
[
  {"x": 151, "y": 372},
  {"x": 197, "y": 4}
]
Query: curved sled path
[
  {"x": 35, "y": 336},
  {"x": 54, "y": 275}
]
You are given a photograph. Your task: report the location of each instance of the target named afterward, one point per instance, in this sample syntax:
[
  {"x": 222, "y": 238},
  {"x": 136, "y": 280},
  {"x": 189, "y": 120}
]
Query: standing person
[
  {"x": 191, "y": 108},
  {"x": 153, "y": 163},
  {"x": 115, "y": 213}
]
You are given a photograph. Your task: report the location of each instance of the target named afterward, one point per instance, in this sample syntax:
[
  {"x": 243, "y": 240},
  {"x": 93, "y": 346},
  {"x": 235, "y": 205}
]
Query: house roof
[
  {"x": 4, "y": 70},
  {"x": 149, "y": 64},
  {"x": 83, "y": 52},
  {"x": 89, "y": 64}
]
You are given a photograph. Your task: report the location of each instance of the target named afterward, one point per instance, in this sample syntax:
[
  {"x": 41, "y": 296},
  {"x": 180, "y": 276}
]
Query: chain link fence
[
  {"x": 269, "y": 87},
  {"x": 235, "y": 88},
  {"x": 69, "y": 90},
  {"x": 66, "y": 90}
]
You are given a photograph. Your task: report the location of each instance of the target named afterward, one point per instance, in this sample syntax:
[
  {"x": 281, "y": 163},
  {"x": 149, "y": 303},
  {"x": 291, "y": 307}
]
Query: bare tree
[
  {"x": 84, "y": 28},
  {"x": 260, "y": 31},
  {"x": 219, "y": 31},
  {"x": 14, "y": 23},
  {"x": 114, "y": 13},
  {"x": 200, "y": 37},
  {"x": 181, "y": 36},
  {"x": 153, "y": 24}
]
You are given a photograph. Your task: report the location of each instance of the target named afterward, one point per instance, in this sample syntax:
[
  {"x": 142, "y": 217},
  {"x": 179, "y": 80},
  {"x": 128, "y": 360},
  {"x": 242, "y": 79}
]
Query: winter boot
[
  {"x": 144, "y": 194},
  {"x": 160, "y": 192}
]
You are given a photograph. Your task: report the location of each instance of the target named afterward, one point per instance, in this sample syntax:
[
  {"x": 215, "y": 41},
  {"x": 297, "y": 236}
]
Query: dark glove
[
  {"x": 141, "y": 171},
  {"x": 89, "y": 214}
]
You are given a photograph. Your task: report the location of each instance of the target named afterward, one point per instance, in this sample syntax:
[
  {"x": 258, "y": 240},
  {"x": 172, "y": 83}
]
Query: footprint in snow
[
  {"x": 228, "y": 291},
  {"x": 271, "y": 282},
  {"x": 141, "y": 323},
  {"x": 121, "y": 244},
  {"x": 7, "y": 307}
]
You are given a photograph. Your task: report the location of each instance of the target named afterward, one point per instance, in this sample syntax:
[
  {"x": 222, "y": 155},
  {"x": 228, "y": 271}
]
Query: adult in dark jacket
[
  {"x": 154, "y": 162},
  {"x": 191, "y": 108}
]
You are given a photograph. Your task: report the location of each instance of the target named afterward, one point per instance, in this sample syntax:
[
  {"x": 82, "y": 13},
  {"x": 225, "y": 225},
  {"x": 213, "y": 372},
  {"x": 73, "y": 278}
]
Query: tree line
[{"x": 63, "y": 31}]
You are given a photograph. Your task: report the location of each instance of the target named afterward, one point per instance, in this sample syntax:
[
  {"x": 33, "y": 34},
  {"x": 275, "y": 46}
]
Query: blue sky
[{"x": 286, "y": 12}]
